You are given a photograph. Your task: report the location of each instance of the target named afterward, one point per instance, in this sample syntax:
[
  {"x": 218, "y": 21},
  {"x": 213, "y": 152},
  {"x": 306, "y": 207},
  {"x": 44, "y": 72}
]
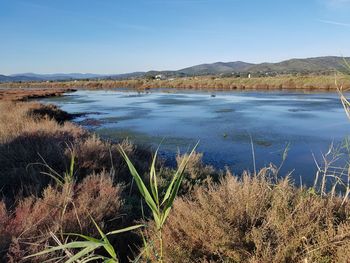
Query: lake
[{"x": 224, "y": 122}]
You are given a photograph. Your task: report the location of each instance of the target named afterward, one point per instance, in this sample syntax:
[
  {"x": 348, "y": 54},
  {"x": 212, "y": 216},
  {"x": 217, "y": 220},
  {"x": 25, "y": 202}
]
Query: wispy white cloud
[{"x": 335, "y": 22}]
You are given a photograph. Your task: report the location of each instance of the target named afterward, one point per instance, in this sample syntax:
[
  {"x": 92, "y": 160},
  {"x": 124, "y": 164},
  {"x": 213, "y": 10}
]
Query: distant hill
[
  {"x": 57, "y": 76},
  {"x": 124, "y": 76},
  {"x": 217, "y": 68},
  {"x": 305, "y": 65},
  {"x": 4, "y": 78},
  {"x": 65, "y": 77}
]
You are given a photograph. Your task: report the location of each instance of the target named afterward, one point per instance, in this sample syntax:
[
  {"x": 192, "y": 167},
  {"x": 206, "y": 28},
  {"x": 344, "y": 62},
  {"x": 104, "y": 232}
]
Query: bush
[
  {"x": 196, "y": 173},
  {"x": 254, "y": 219},
  {"x": 65, "y": 209},
  {"x": 33, "y": 139}
]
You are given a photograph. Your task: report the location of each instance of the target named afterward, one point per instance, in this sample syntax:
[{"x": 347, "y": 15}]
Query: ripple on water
[{"x": 223, "y": 124}]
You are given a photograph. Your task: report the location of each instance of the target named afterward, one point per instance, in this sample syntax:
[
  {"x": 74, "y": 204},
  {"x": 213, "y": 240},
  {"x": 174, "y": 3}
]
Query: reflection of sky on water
[{"x": 223, "y": 123}]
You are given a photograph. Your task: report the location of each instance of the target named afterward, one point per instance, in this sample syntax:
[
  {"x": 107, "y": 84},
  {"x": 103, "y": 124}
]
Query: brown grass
[
  {"x": 288, "y": 82},
  {"x": 252, "y": 218},
  {"x": 32, "y": 202},
  {"x": 35, "y": 136},
  {"x": 255, "y": 219},
  {"x": 196, "y": 173},
  {"x": 27, "y": 118},
  {"x": 27, "y": 140},
  {"x": 19, "y": 94},
  {"x": 65, "y": 209}
]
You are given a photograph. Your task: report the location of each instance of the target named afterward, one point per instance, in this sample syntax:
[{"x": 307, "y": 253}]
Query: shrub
[
  {"x": 50, "y": 111},
  {"x": 196, "y": 172},
  {"x": 61, "y": 210},
  {"x": 254, "y": 219},
  {"x": 33, "y": 138}
]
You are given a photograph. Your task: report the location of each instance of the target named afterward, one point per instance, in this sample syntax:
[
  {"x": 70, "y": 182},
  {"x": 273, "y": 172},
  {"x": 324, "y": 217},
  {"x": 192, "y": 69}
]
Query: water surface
[{"x": 224, "y": 123}]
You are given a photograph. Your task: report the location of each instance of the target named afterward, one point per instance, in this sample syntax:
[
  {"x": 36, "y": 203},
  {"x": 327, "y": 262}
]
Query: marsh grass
[
  {"x": 160, "y": 207},
  {"x": 334, "y": 170},
  {"x": 257, "y": 218},
  {"x": 61, "y": 209},
  {"x": 252, "y": 218},
  {"x": 160, "y": 210},
  {"x": 53, "y": 175},
  {"x": 309, "y": 82},
  {"x": 28, "y": 140}
]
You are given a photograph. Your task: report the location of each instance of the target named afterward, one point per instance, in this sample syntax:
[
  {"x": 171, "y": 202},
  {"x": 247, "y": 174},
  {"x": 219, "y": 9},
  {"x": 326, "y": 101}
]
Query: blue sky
[{"x": 115, "y": 36}]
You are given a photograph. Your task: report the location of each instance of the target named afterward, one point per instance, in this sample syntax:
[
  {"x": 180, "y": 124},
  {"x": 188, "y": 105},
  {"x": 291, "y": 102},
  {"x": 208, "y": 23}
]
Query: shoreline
[
  {"x": 21, "y": 94},
  {"x": 304, "y": 83}
]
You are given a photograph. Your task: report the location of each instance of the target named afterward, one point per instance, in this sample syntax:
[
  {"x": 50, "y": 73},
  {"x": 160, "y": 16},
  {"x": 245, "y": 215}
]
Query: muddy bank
[{"x": 20, "y": 94}]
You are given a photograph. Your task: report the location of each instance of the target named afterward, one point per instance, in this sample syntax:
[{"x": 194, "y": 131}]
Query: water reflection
[{"x": 223, "y": 123}]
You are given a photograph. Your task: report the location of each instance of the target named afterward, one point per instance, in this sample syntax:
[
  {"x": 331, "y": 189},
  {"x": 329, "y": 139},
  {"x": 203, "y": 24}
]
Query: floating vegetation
[
  {"x": 224, "y": 110},
  {"x": 264, "y": 143}
]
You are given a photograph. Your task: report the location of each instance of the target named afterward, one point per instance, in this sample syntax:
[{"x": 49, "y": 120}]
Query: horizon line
[{"x": 145, "y": 71}]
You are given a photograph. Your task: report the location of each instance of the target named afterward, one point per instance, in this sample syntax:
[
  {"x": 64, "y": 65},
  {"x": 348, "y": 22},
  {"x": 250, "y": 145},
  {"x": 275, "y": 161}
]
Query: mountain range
[{"x": 305, "y": 65}]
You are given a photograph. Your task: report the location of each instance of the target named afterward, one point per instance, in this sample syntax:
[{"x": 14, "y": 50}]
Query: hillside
[
  {"x": 57, "y": 76},
  {"x": 306, "y": 65},
  {"x": 217, "y": 68},
  {"x": 4, "y": 78}
]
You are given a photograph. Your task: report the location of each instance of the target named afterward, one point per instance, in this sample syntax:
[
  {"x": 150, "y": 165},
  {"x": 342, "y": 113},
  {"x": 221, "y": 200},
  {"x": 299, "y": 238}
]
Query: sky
[{"x": 120, "y": 36}]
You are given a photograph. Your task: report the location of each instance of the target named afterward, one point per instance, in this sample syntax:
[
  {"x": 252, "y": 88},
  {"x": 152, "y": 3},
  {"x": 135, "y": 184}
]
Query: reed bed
[{"x": 288, "y": 82}]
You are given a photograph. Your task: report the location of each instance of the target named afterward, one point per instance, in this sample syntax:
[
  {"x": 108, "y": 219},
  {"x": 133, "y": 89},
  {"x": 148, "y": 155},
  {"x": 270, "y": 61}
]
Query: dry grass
[
  {"x": 65, "y": 209},
  {"x": 30, "y": 134},
  {"x": 309, "y": 82},
  {"x": 19, "y": 94},
  {"x": 32, "y": 118},
  {"x": 26, "y": 140},
  {"x": 256, "y": 219},
  {"x": 196, "y": 173},
  {"x": 252, "y": 218}
]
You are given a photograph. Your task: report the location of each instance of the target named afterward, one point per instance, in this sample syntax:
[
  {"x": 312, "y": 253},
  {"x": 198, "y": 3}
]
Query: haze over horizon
[{"x": 112, "y": 38}]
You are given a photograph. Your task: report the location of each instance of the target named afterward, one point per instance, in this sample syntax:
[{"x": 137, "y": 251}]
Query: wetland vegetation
[
  {"x": 288, "y": 82},
  {"x": 174, "y": 131},
  {"x": 59, "y": 178}
]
